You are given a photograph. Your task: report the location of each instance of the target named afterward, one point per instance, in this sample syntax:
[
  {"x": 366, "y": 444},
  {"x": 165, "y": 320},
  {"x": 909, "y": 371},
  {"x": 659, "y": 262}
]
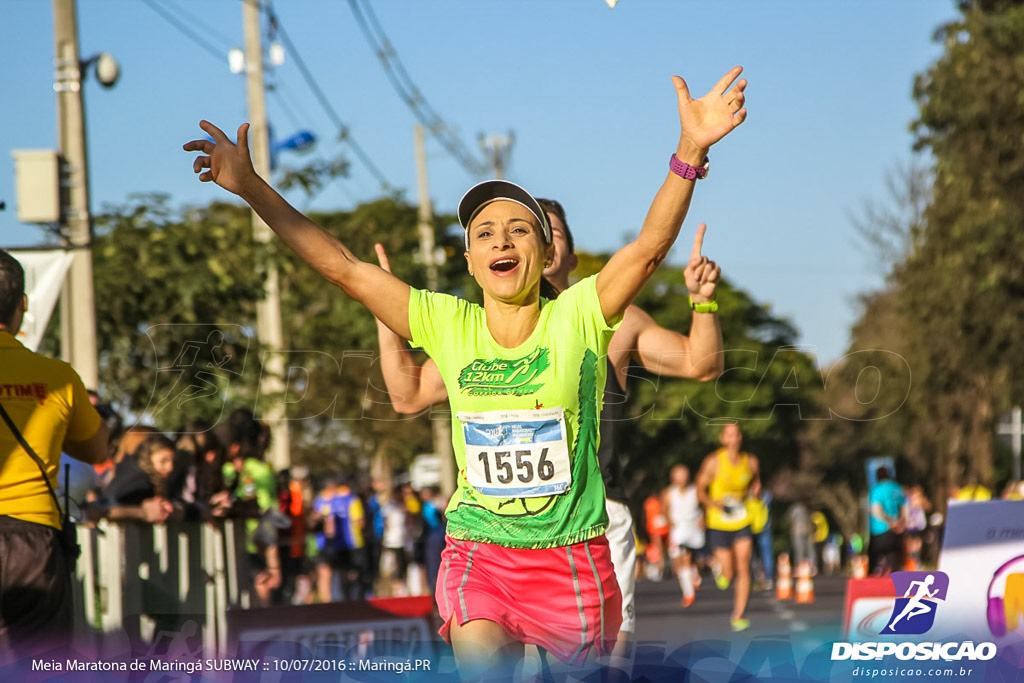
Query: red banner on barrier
[
  {"x": 382, "y": 626},
  {"x": 866, "y": 599}
]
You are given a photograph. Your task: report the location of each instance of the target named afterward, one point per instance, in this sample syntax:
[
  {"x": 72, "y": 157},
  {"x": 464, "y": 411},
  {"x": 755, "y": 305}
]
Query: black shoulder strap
[{"x": 32, "y": 454}]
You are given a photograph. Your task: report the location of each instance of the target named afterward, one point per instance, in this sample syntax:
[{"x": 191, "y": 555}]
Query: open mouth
[{"x": 504, "y": 265}]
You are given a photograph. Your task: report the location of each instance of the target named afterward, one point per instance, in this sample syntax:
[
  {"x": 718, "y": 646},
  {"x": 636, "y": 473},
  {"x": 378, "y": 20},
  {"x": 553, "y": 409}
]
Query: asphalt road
[{"x": 661, "y": 618}]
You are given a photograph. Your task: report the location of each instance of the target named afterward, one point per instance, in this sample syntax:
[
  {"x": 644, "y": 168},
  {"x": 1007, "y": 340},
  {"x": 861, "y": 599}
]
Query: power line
[
  {"x": 198, "y": 22},
  {"x": 184, "y": 28},
  {"x": 219, "y": 54},
  {"x": 344, "y": 132},
  {"x": 408, "y": 91},
  {"x": 216, "y": 52}
]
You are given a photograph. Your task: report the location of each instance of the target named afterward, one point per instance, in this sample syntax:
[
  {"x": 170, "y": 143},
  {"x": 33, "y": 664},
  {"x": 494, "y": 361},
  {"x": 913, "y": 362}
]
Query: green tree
[
  {"x": 962, "y": 288},
  {"x": 870, "y": 391},
  {"x": 174, "y": 293}
]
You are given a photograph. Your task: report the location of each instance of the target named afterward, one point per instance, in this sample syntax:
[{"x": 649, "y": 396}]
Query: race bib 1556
[{"x": 517, "y": 453}]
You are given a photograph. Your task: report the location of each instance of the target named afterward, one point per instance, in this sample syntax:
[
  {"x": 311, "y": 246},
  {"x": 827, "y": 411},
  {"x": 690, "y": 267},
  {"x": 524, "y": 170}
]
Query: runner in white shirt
[
  {"x": 686, "y": 534},
  {"x": 394, "y": 559}
]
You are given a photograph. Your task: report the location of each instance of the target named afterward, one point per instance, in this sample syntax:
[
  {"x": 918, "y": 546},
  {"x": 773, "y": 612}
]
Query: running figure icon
[{"x": 915, "y": 606}]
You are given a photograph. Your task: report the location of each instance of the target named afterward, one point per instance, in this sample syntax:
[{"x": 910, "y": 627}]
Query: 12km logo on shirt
[{"x": 497, "y": 377}]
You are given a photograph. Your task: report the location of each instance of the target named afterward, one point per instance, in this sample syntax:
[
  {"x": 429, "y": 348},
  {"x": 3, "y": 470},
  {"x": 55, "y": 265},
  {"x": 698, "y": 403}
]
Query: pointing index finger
[
  {"x": 698, "y": 242},
  {"x": 382, "y": 257}
]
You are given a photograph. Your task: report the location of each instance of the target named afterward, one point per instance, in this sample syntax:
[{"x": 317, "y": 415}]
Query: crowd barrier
[
  {"x": 135, "y": 582},
  {"x": 182, "y": 591}
]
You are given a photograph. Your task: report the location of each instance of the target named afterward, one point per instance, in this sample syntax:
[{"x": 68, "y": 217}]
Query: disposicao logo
[
  {"x": 914, "y": 612},
  {"x": 918, "y": 596}
]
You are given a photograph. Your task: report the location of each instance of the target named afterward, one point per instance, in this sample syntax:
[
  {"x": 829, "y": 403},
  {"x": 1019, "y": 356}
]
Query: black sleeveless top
[{"x": 611, "y": 414}]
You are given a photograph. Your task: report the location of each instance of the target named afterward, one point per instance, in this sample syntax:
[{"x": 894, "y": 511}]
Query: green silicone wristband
[{"x": 709, "y": 307}]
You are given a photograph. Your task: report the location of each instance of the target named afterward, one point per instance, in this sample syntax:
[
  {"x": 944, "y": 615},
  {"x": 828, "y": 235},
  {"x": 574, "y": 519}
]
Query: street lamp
[{"x": 107, "y": 68}]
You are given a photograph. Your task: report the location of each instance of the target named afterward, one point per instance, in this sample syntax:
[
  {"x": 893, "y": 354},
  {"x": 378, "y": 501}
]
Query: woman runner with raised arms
[{"x": 526, "y": 560}]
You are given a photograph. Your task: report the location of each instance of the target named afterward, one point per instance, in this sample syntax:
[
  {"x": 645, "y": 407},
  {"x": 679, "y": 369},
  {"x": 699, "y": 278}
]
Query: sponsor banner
[
  {"x": 869, "y": 602},
  {"x": 44, "y": 278},
  {"x": 983, "y": 556},
  {"x": 386, "y": 637},
  {"x": 375, "y": 627}
]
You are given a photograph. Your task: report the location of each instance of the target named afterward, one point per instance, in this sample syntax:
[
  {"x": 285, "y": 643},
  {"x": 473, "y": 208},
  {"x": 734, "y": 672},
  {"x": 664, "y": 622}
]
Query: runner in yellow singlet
[{"x": 727, "y": 478}]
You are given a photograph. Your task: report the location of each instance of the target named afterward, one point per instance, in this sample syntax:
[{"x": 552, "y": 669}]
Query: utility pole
[
  {"x": 497, "y": 149},
  {"x": 442, "y": 427},
  {"x": 78, "y": 305},
  {"x": 268, "y": 311},
  {"x": 1015, "y": 430}
]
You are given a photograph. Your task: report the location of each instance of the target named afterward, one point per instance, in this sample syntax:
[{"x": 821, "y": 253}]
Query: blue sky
[{"x": 585, "y": 89}]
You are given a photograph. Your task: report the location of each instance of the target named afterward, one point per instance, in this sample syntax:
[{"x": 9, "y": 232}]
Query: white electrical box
[{"x": 37, "y": 185}]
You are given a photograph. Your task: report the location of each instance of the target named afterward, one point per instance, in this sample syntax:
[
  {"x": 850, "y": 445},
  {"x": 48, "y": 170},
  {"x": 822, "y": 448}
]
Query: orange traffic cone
[
  {"x": 784, "y": 580},
  {"x": 860, "y": 567},
  {"x": 804, "y": 584}
]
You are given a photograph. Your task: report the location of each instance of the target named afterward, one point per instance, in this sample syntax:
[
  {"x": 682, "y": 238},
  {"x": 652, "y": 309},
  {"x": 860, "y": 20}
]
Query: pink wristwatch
[{"x": 688, "y": 172}]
